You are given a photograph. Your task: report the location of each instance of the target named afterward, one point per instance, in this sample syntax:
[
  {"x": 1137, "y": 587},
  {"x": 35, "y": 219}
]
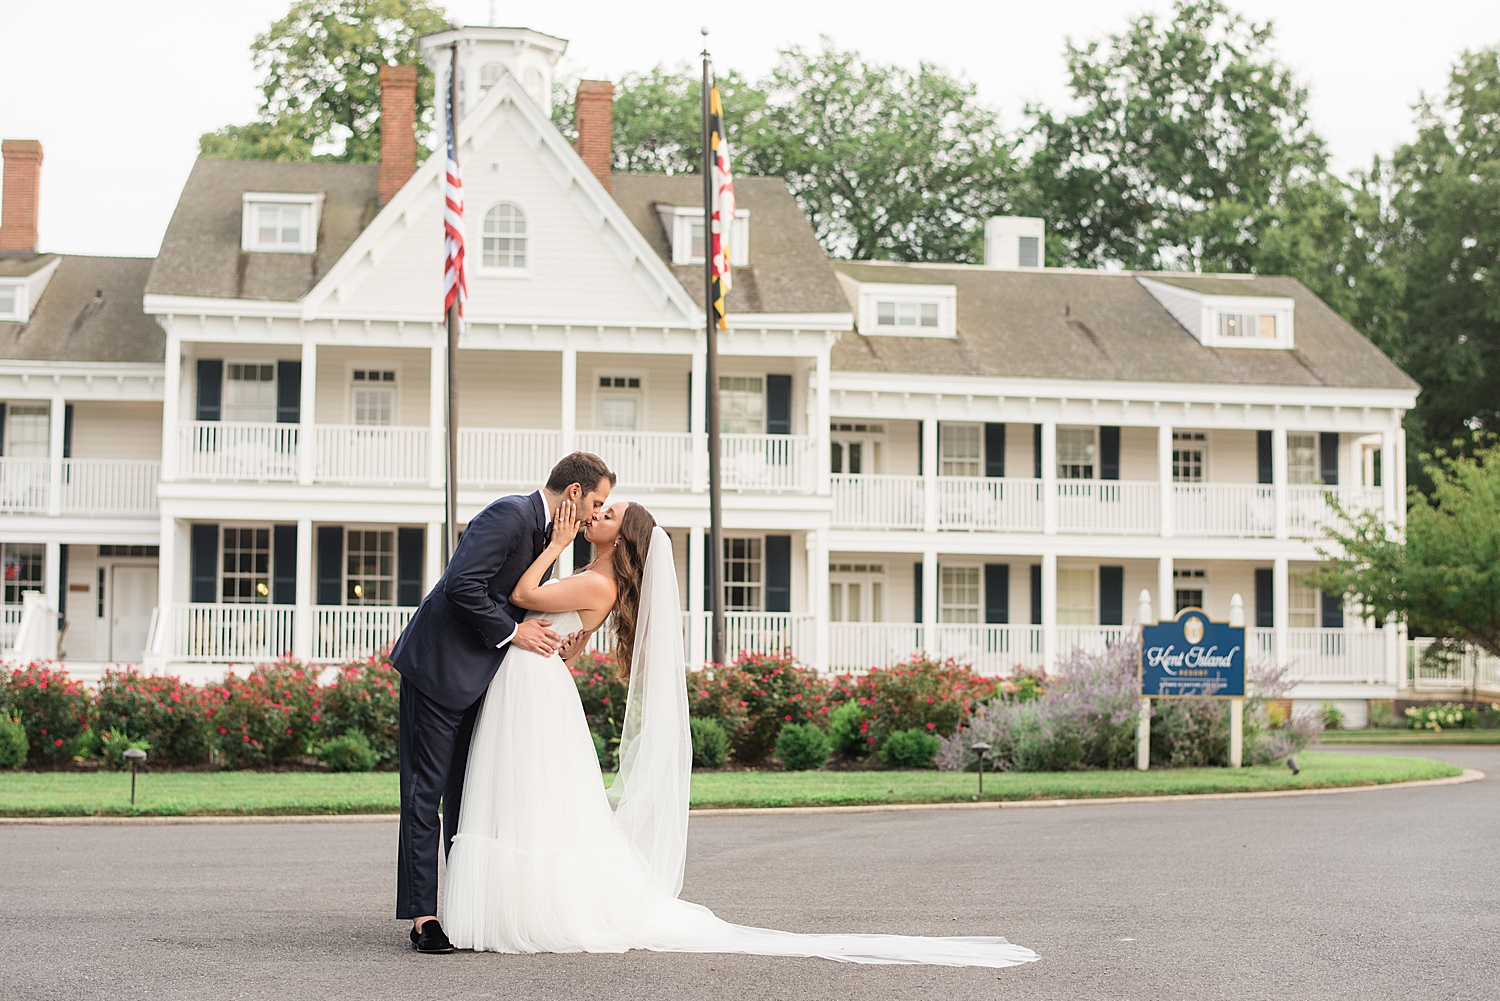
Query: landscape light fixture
[
  {"x": 980, "y": 749},
  {"x": 135, "y": 756},
  {"x": 1292, "y": 764}
]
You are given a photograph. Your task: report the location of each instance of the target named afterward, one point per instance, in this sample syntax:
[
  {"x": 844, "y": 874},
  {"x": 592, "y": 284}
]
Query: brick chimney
[
  {"x": 398, "y": 132},
  {"x": 593, "y": 115},
  {"x": 22, "y": 192}
]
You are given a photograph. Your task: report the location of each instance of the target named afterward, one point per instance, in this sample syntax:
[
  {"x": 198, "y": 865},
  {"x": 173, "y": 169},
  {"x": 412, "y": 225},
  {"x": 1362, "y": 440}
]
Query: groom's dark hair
[{"x": 583, "y": 468}]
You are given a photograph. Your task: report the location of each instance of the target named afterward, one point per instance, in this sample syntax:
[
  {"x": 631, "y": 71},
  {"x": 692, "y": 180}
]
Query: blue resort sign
[{"x": 1193, "y": 656}]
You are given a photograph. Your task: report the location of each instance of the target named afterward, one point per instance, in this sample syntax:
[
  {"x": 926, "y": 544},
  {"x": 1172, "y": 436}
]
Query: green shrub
[
  {"x": 113, "y": 744},
  {"x": 160, "y": 709},
  {"x": 777, "y": 691},
  {"x": 914, "y": 748},
  {"x": 601, "y": 751},
  {"x": 710, "y": 743},
  {"x": 264, "y": 718},
  {"x": 603, "y": 694},
  {"x": 365, "y": 697},
  {"x": 1332, "y": 716},
  {"x": 848, "y": 728},
  {"x": 1449, "y": 716},
  {"x": 938, "y": 696},
  {"x": 349, "y": 753},
  {"x": 1383, "y": 715},
  {"x": 13, "y": 744},
  {"x": 803, "y": 747},
  {"x": 54, "y": 709},
  {"x": 1185, "y": 733}
]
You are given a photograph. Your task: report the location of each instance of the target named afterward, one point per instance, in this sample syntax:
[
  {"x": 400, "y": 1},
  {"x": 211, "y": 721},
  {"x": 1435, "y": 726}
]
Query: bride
[{"x": 546, "y": 859}]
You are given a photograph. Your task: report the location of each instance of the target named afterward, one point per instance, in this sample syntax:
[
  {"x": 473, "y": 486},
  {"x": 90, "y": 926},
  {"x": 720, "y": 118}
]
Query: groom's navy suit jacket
[{"x": 450, "y": 650}]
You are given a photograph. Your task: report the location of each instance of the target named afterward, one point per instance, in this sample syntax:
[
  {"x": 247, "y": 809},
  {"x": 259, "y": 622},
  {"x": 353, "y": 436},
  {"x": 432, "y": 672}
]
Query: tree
[
  {"x": 1191, "y": 149},
  {"x": 1444, "y": 579},
  {"x": 321, "y": 96}
]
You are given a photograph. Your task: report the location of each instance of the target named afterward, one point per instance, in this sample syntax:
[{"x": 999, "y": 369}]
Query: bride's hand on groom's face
[{"x": 566, "y": 525}]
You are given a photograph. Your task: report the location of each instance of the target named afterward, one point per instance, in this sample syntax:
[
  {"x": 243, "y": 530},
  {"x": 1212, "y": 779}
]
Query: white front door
[{"x": 132, "y": 598}]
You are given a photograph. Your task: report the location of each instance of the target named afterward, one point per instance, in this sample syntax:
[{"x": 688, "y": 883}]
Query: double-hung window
[
  {"x": 856, "y": 592},
  {"x": 1302, "y": 458},
  {"x": 372, "y": 396},
  {"x": 620, "y": 401},
  {"x": 1188, "y": 451},
  {"x": 280, "y": 223},
  {"x": 1302, "y": 604},
  {"x": 250, "y": 392},
  {"x": 742, "y": 404},
  {"x": 744, "y": 575},
  {"x": 1075, "y": 596},
  {"x": 245, "y": 577},
  {"x": 24, "y": 570},
  {"x": 1075, "y": 453},
  {"x": 960, "y": 449},
  {"x": 958, "y": 594},
  {"x": 27, "y": 430},
  {"x": 370, "y": 563}
]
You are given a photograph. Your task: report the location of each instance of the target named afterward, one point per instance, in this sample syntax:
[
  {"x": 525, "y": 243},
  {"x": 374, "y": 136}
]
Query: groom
[{"x": 449, "y": 652}]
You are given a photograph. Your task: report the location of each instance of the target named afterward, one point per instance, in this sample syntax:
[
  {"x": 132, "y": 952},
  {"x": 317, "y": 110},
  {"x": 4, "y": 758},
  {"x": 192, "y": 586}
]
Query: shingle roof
[
  {"x": 1107, "y": 326},
  {"x": 788, "y": 271},
  {"x": 1209, "y": 285},
  {"x": 200, "y": 254},
  {"x": 24, "y": 267},
  {"x": 89, "y": 311}
]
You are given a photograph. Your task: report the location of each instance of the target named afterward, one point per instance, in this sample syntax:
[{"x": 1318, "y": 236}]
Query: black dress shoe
[{"x": 431, "y": 938}]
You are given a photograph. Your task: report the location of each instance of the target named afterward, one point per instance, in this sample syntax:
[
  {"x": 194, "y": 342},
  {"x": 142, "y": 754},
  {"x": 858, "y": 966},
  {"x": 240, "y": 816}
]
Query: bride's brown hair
[{"x": 628, "y": 558}]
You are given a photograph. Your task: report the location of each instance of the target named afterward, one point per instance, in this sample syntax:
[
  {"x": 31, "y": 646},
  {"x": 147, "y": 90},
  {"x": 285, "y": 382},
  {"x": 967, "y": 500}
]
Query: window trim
[
  {"x": 868, "y": 574},
  {"x": 952, "y": 427},
  {"x": 270, "y": 529},
  {"x": 1093, "y": 572},
  {"x": 1207, "y": 444},
  {"x": 499, "y": 271},
  {"x": 224, "y": 386},
  {"x": 312, "y": 212},
  {"x": 395, "y": 565},
  {"x": 349, "y": 369},
  {"x": 759, "y": 586},
  {"x": 678, "y": 221},
  {"x": 968, "y": 567},
  {"x": 871, "y": 294},
  {"x": 641, "y": 419},
  {"x": 18, "y": 310}
]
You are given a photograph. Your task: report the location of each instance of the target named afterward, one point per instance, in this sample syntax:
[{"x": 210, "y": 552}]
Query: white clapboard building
[{"x": 235, "y": 451}]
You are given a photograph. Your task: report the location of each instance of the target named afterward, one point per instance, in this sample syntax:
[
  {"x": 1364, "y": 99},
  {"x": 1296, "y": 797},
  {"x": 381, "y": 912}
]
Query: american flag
[
  {"x": 723, "y": 206},
  {"x": 455, "y": 285}
]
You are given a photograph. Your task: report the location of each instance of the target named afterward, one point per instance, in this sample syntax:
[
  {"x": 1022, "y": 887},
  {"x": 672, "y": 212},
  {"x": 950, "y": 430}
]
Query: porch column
[
  {"x": 698, "y": 429},
  {"x": 697, "y": 627},
  {"x": 569, "y": 400},
  {"x": 930, "y": 601},
  {"x": 1278, "y": 481},
  {"x": 159, "y": 643},
  {"x": 1049, "y": 607},
  {"x": 1166, "y": 590},
  {"x": 817, "y": 593},
  {"x": 929, "y": 474},
  {"x": 1281, "y": 609},
  {"x": 307, "y": 443},
  {"x": 52, "y": 573},
  {"x": 55, "y": 425},
  {"x": 302, "y": 621},
  {"x": 1049, "y": 482},
  {"x": 1399, "y": 462},
  {"x": 1388, "y": 496},
  {"x": 822, "y": 412},
  {"x": 434, "y": 555},
  {"x": 1164, "y": 478},
  {"x": 171, "y": 392},
  {"x": 437, "y": 409}
]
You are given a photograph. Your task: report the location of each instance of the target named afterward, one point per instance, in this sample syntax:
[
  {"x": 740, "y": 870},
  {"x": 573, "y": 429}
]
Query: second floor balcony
[{"x": 79, "y": 487}]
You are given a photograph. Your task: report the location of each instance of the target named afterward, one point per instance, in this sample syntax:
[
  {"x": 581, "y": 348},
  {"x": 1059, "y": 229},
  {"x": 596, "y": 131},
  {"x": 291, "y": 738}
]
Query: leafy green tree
[
  {"x": 1191, "y": 149},
  {"x": 1443, "y": 580},
  {"x": 321, "y": 96}
]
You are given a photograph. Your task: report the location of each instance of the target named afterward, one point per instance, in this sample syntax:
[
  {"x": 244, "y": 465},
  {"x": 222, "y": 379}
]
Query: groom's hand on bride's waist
[{"x": 537, "y": 636}]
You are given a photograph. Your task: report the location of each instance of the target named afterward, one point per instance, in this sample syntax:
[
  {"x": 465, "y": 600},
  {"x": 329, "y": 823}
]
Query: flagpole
[
  {"x": 711, "y": 393},
  {"x": 450, "y": 523}
]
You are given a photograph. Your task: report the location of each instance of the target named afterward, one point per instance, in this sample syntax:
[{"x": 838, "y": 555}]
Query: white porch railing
[
  {"x": 1224, "y": 509},
  {"x": 371, "y": 455},
  {"x": 343, "y": 634},
  {"x": 498, "y": 457},
  {"x": 223, "y": 450},
  {"x": 1108, "y": 507},
  {"x": 24, "y": 485},
  {"x": 110, "y": 486},
  {"x": 1341, "y": 655},
  {"x": 877, "y": 501},
  {"x": 250, "y": 634},
  {"x": 644, "y": 460},
  {"x": 779, "y": 463},
  {"x": 1260, "y": 646},
  {"x": 772, "y": 633},
  {"x": 1471, "y": 670},
  {"x": 988, "y": 504},
  {"x": 1308, "y": 510},
  {"x": 991, "y": 650},
  {"x": 1093, "y": 639},
  {"x": 855, "y": 647},
  {"x": 10, "y": 625}
]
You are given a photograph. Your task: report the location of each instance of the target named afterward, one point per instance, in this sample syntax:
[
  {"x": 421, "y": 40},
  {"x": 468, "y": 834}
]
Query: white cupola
[{"x": 485, "y": 52}]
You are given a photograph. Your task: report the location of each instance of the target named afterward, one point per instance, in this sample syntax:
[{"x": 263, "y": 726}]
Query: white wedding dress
[{"x": 547, "y": 860}]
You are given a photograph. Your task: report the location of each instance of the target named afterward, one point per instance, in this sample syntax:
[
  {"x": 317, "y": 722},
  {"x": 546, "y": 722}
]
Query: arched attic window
[{"x": 505, "y": 237}]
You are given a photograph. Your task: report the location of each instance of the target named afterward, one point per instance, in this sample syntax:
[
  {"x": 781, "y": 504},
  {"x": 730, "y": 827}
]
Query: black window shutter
[
  {"x": 210, "y": 388},
  {"x": 1036, "y": 593},
  {"x": 708, "y": 572},
  {"x": 778, "y": 404},
  {"x": 1328, "y": 454},
  {"x": 410, "y": 546},
  {"x": 288, "y": 392},
  {"x": 1109, "y": 454},
  {"x": 1333, "y": 611},
  {"x": 67, "y": 431},
  {"x": 997, "y": 592},
  {"x": 778, "y": 573},
  {"x": 2, "y": 429},
  {"x": 1265, "y": 598},
  {"x": 1263, "y": 456},
  {"x": 1036, "y": 454},
  {"x": 583, "y": 552},
  {"x": 284, "y": 565},
  {"x": 1111, "y": 596},
  {"x": 994, "y": 450},
  {"x": 62, "y": 580},
  {"x": 917, "y": 590},
  {"x": 205, "y": 564},
  {"x": 330, "y": 564}
]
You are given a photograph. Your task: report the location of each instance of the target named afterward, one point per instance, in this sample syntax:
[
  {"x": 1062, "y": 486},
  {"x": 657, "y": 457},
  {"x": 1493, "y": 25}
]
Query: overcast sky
[{"x": 118, "y": 93}]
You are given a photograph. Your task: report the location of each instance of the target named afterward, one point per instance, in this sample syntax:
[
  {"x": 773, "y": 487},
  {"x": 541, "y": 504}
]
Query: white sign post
[
  {"x": 1236, "y": 706},
  {"x": 1143, "y": 725}
]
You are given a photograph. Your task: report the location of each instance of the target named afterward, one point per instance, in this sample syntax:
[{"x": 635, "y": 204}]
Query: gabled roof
[
  {"x": 89, "y": 311},
  {"x": 200, "y": 253},
  {"x": 1240, "y": 285},
  {"x": 24, "y": 267},
  {"x": 1105, "y": 326},
  {"x": 788, "y": 271}
]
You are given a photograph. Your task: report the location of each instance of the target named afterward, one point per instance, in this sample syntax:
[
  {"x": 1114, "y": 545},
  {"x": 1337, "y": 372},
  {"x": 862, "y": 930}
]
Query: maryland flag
[{"x": 722, "y": 182}]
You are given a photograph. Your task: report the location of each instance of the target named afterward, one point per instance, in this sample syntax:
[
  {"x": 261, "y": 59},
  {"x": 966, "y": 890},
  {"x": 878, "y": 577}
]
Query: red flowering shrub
[
  {"x": 776, "y": 691},
  {"x": 935, "y": 696},
  {"x": 159, "y": 709},
  {"x": 54, "y": 709},
  {"x": 364, "y": 698},
  {"x": 264, "y": 718},
  {"x": 603, "y": 693},
  {"x": 717, "y": 692}
]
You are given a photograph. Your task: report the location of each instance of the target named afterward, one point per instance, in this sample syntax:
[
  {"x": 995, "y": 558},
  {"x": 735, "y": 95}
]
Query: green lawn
[
  {"x": 65, "y": 794},
  {"x": 1416, "y": 737}
]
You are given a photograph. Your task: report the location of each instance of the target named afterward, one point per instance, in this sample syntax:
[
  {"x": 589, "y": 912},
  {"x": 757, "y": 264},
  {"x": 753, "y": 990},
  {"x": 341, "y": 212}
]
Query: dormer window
[
  {"x": 908, "y": 310},
  {"x": 280, "y": 223},
  {"x": 10, "y": 302},
  {"x": 684, "y": 226},
  {"x": 1247, "y": 325},
  {"x": 1225, "y": 311},
  {"x": 894, "y": 314}
]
